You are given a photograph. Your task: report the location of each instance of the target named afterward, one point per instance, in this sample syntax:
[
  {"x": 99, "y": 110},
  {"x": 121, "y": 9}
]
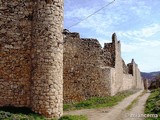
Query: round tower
[{"x": 47, "y": 58}]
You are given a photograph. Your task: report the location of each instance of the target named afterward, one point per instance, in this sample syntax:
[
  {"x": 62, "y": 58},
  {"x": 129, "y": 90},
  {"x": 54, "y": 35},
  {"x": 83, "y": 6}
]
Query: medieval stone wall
[
  {"x": 15, "y": 38},
  {"x": 125, "y": 67},
  {"x": 32, "y": 55},
  {"x": 93, "y": 71},
  {"x": 84, "y": 75},
  {"x": 140, "y": 83},
  {"x": 134, "y": 70},
  {"x": 128, "y": 82},
  {"x": 118, "y": 82},
  {"x": 31, "y": 73}
]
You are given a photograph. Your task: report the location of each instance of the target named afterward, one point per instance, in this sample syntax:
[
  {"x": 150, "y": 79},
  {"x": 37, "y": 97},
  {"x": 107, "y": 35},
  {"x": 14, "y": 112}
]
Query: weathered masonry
[
  {"x": 90, "y": 70},
  {"x": 31, "y": 69},
  {"x": 31, "y": 55}
]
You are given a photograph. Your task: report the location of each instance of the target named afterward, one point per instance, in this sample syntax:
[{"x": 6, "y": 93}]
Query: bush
[{"x": 153, "y": 104}]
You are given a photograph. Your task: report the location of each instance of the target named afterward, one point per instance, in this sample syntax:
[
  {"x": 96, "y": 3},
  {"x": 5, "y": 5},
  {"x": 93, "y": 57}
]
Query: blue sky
[{"x": 136, "y": 23}]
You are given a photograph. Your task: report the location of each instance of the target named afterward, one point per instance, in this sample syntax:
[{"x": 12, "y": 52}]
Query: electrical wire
[{"x": 91, "y": 14}]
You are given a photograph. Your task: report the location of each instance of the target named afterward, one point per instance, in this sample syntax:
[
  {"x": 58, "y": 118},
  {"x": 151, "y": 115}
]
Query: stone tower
[{"x": 32, "y": 55}]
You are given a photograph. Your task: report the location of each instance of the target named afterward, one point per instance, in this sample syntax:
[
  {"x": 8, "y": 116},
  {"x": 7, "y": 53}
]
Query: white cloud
[
  {"x": 79, "y": 13},
  {"x": 110, "y": 17},
  {"x": 101, "y": 21},
  {"x": 128, "y": 18},
  {"x": 142, "y": 11},
  {"x": 140, "y": 45},
  {"x": 127, "y": 48},
  {"x": 141, "y": 33},
  {"x": 140, "y": 8}
]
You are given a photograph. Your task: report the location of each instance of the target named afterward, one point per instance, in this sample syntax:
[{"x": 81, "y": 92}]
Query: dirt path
[
  {"x": 137, "y": 109},
  {"x": 115, "y": 113}
]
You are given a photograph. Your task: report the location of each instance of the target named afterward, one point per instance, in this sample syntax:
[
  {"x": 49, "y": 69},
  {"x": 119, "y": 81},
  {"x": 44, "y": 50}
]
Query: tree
[
  {"x": 155, "y": 83},
  {"x": 157, "y": 79}
]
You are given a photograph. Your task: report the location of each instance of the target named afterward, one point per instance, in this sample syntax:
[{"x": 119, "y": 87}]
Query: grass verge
[
  {"x": 130, "y": 106},
  {"x": 12, "y": 113},
  {"x": 96, "y": 102},
  {"x": 153, "y": 105},
  {"x": 73, "y": 117}
]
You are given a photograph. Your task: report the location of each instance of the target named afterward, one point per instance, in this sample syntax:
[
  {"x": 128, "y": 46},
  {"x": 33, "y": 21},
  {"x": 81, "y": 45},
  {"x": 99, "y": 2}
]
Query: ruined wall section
[
  {"x": 90, "y": 70},
  {"x": 117, "y": 85},
  {"x": 84, "y": 74},
  {"x": 134, "y": 70},
  {"x": 32, "y": 55},
  {"x": 125, "y": 67},
  {"x": 140, "y": 84},
  {"x": 108, "y": 55},
  {"x": 128, "y": 81},
  {"x": 15, "y": 38},
  {"x": 133, "y": 79}
]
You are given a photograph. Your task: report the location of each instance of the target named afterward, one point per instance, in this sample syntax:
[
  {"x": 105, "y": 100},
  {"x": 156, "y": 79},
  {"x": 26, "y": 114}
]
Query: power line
[{"x": 91, "y": 14}]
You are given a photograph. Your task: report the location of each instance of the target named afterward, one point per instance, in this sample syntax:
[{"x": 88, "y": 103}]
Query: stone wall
[
  {"x": 32, "y": 55},
  {"x": 84, "y": 74},
  {"x": 93, "y": 71},
  {"x": 118, "y": 82},
  {"x": 128, "y": 82},
  {"x": 125, "y": 67},
  {"x": 134, "y": 70},
  {"x": 15, "y": 38},
  {"x": 139, "y": 80},
  {"x": 32, "y": 60}
]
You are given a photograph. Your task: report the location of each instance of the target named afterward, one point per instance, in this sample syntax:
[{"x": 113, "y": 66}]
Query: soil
[{"x": 117, "y": 112}]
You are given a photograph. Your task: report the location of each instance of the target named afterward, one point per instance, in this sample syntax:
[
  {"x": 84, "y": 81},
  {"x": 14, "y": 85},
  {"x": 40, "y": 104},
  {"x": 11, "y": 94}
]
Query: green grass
[
  {"x": 73, "y": 117},
  {"x": 95, "y": 102},
  {"x": 13, "y": 113},
  {"x": 130, "y": 106},
  {"x": 153, "y": 104},
  {"x": 19, "y": 116}
]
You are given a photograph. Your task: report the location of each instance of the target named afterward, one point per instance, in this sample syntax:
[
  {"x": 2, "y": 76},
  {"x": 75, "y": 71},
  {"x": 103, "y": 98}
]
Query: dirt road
[
  {"x": 136, "y": 111},
  {"x": 117, "y": 112}
]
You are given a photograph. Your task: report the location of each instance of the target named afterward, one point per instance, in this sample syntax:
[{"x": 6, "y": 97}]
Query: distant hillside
[{"x": 150, "y": 75}]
